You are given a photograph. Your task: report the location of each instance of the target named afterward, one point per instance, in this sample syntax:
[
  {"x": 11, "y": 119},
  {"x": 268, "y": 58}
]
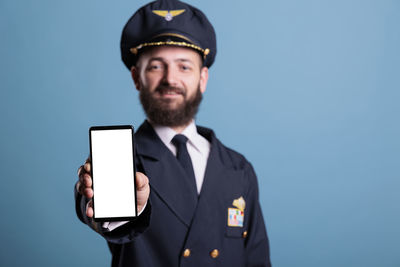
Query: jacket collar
[
  {"x": 148, "y": 142},
  {"x": 155, "y": 155},
  {"x": 150, "y": 145}
]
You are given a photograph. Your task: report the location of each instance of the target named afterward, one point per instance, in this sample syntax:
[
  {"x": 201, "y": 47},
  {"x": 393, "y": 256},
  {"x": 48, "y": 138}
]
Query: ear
[
  {"x": 135, "y": 77},
  {"x": 203, "y": 79}
]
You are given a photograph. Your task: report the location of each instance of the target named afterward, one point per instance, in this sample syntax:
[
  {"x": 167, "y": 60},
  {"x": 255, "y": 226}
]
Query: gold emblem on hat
[
  {"x": 168, "y": 14},
  {"x": 239, "y": 203}
]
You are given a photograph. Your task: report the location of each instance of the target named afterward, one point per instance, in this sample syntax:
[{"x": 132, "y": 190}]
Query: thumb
[{"x": 141, "y": 181}]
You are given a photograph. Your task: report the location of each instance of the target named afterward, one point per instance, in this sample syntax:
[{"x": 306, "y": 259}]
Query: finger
[
  {"x": 141, "y": 181},
  {"x": 87, "y": 166},
  {"x": 87, "y": 180},
  {"x": 80, "y": 186},
  {"x": 88, "y": 192},
  {"x": 82, "y": 173},
  {"x": 89, "y": 212},
  {"x": 89, "y": 209},
  {"x": 83, "y": 177}
]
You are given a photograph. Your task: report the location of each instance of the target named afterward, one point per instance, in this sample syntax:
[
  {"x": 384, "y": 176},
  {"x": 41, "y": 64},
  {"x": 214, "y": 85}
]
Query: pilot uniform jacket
[{"x": 171, "y": 233}]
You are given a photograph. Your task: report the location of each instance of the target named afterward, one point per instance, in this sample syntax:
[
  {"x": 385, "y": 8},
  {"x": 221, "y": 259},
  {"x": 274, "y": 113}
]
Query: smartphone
[{"x": 113, "y": 171}]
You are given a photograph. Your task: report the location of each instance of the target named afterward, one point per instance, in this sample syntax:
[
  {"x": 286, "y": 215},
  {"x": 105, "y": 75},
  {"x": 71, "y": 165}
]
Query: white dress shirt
[{"x": 198, "y": 148}]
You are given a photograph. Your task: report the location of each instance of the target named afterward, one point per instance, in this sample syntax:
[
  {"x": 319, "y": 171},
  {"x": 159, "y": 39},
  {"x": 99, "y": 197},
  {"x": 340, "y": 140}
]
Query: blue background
[{"x": 307, "y": 90}]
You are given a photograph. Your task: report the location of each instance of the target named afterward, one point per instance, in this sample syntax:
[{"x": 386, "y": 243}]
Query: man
[{"x": 203, "y": 208}]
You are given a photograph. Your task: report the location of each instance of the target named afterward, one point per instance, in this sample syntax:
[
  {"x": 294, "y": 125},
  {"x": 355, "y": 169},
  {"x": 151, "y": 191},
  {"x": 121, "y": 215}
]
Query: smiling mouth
[{"x": 171, "y": 91}]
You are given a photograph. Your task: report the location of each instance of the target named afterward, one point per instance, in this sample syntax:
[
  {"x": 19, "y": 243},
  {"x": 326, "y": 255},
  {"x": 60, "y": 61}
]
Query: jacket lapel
[
  {"x": 165, "y": 174},
  {"x": 219, "y": 179}
]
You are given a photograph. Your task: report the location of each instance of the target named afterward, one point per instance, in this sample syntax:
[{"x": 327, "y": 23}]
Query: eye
[
  {"x": 185, "y": 67},
  {"x": 154, "y": 67}
]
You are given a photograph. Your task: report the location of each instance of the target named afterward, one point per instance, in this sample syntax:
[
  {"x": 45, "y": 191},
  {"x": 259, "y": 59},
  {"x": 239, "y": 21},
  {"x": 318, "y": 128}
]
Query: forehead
[{"x": 170, "y": 53}]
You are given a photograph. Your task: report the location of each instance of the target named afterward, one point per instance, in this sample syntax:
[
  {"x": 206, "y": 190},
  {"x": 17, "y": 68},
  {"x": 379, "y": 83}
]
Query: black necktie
[{"x": 183, "y": 157}]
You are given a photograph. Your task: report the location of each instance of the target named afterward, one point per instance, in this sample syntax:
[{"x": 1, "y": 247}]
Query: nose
[{"x": 170, "y": 76}]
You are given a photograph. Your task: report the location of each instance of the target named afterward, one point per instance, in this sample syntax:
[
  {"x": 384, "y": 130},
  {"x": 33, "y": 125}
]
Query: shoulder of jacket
[
  {"x": 228, "y": 156},
  {"x": 232, "y": 158}
]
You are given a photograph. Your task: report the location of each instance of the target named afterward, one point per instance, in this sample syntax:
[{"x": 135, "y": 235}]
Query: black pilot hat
[{"x": 168, "y": 22}]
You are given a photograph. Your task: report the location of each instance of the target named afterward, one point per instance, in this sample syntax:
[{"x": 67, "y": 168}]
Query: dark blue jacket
[{"x": 167, "y": 230}]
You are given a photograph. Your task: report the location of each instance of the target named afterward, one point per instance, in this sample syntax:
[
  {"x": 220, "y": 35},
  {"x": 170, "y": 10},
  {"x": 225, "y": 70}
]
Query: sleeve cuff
[{"x": 109, "y": 226}]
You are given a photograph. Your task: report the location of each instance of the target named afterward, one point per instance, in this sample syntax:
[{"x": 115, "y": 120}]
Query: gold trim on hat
[{"x": 205, "y": 52}]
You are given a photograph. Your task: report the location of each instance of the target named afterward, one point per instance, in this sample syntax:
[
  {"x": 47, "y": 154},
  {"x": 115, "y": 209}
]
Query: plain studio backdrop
[{"x": 307, "y": 90}]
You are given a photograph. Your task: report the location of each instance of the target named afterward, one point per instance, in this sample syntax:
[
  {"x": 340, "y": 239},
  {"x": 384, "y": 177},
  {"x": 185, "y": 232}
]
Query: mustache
[{"x": 164, "y": 89}]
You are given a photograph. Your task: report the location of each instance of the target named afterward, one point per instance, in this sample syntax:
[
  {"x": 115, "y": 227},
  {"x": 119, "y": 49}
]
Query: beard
[{"x": 159, "y": 110}]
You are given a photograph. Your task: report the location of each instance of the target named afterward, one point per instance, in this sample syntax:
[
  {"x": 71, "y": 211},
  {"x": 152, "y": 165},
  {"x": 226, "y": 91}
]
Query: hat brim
[{"x": 172, "y": 39}]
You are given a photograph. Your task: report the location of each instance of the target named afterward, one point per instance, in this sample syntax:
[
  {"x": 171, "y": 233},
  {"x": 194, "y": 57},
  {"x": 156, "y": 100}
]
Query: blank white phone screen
[{"x": 113, "y": 173}]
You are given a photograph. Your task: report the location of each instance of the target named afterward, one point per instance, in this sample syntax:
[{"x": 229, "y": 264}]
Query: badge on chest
[{"x": 236, "y": 215}]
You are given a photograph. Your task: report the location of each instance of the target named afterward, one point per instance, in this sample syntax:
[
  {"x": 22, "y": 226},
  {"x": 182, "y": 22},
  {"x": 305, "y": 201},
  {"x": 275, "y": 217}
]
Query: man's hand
[{"x": 84, "y": 187}]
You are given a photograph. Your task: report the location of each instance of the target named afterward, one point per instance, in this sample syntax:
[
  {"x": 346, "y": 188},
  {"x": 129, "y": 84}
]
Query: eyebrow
[
  {"x": 156, "y": 59},
  {"x": 184, "y": 60}
]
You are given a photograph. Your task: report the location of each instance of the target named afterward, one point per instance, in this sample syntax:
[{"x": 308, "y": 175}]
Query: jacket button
[
  {"x": 244, "y": 234},
  {"x": 186, "y": 253},
  {"x": 214, "y": 253}
]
